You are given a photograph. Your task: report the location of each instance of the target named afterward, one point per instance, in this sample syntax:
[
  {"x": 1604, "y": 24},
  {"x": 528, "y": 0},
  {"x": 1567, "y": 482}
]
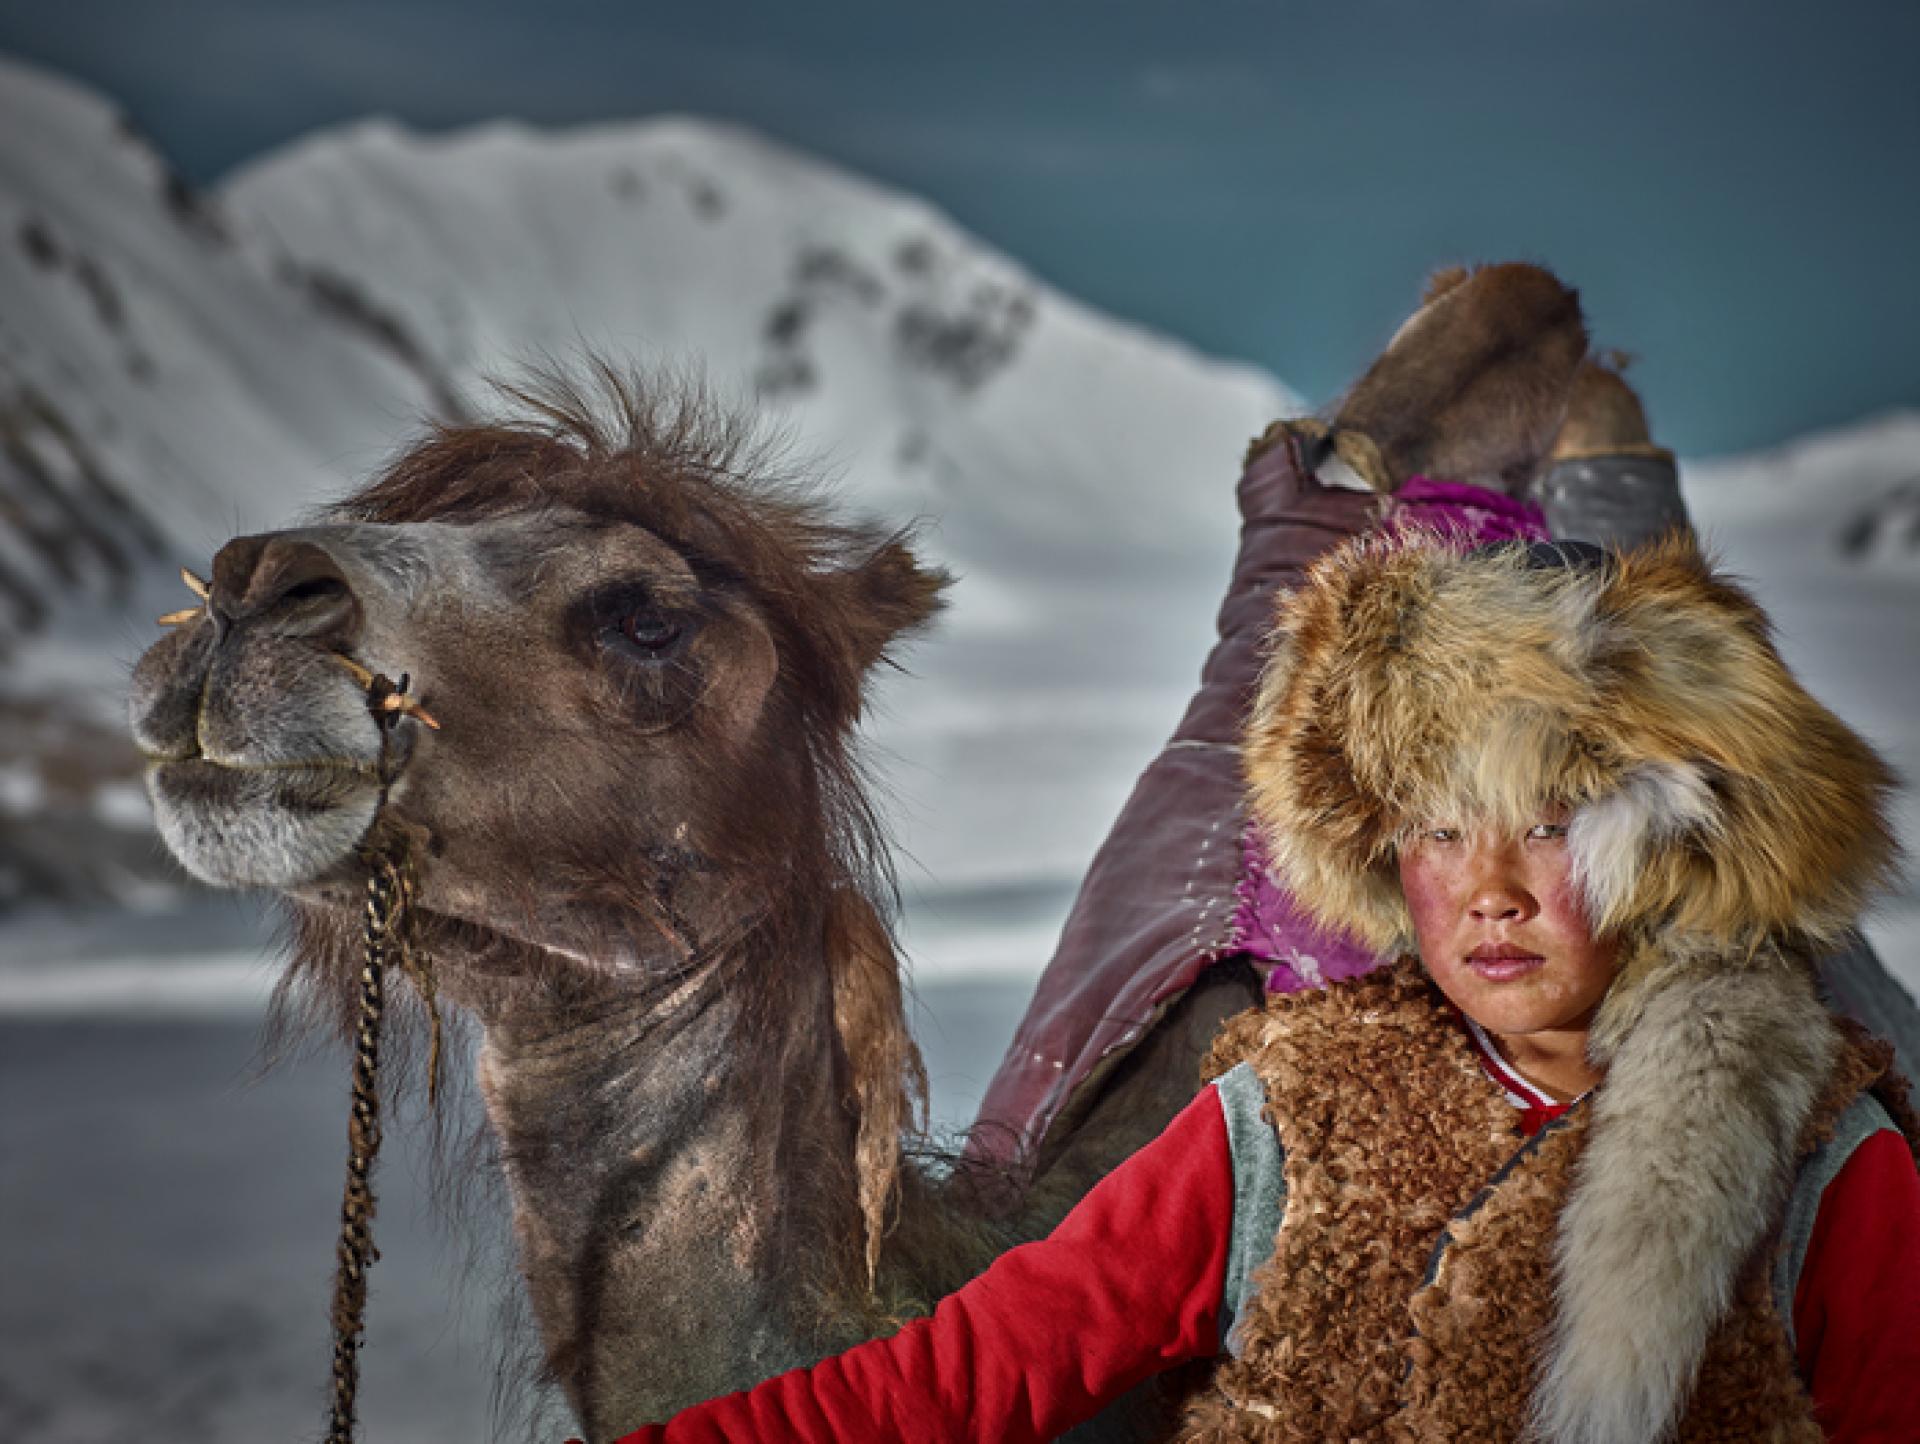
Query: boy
[{"x": 1592, "y": 1158}]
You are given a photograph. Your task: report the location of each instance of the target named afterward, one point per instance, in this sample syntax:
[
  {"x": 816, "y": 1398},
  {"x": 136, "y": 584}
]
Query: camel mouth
[
  {"x": 279, "y": 825},
  {"x": 210, "y": 769},
  {"x": 267, "y": 759}
]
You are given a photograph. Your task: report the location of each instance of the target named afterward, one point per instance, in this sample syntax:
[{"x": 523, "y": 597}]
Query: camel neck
[{"x": 675, "y": 1204}]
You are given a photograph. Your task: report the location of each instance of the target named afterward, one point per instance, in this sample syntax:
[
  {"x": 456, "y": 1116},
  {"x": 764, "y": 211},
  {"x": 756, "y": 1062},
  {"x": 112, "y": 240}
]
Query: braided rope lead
[{"x": 386, "y": 889}]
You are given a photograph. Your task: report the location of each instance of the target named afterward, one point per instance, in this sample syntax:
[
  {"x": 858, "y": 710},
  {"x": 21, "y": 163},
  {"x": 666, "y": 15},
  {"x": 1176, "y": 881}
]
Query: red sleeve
[
  {"x": 1856, "y": 1310},
  {"x": 1127, "y": 1285}
]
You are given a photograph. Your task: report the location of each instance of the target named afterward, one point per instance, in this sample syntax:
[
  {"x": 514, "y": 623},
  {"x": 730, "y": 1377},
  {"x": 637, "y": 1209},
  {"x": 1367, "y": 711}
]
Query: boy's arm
[
  {"x": 1127, "y": 1285},
  {"x": 1856, "y": 1312}
]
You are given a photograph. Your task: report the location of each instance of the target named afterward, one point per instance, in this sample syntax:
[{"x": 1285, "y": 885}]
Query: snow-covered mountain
[
  {"x": 177, "y": 367},
  {"x": 939, "y": 377},
  {"x": 220, "y": 361},
  {"x": 155, "y": 377},
  {"x": 1859, "y": 487}
]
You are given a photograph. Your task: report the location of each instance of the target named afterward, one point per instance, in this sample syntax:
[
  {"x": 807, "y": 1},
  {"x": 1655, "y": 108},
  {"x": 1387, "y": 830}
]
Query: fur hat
[
  {"x": 1712, "y": 797},
  {"x": 1722, "y": 822}
]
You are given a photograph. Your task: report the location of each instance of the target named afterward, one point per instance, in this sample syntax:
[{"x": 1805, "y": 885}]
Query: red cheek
[
  {"x": 1427, "y": 885},
  {"x": 1561, "y": 899}
]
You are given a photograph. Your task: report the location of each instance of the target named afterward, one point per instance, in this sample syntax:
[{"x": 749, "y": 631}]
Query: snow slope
[
  {"x": 207, "y": 391},
  {"x": 216, "y": 363},
  {"x": 941, "y": 377},
  {"x": 259, "y": 350}
]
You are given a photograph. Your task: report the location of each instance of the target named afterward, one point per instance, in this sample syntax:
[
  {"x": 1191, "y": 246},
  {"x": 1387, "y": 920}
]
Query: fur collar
[
  {"x": 1723, "y": 823},
  {"x": 1713, "y": 1069}
]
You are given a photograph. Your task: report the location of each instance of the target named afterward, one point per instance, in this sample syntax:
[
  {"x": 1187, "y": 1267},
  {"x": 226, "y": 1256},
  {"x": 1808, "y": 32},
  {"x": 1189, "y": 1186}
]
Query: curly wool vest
[{"x": 1411, "y": 1289}]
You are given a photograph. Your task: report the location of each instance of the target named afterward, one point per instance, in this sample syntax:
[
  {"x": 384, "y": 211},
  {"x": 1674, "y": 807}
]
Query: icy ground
[
  {"x": 167, "y": 1218},
  {"x": 167, "y": 1222}
]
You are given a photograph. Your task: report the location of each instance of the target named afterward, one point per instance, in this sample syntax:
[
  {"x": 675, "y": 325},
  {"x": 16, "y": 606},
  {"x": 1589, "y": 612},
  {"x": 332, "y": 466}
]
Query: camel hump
[
  {"x": 1474, "y": 386},
  {"x": 1604, "y": 414}
]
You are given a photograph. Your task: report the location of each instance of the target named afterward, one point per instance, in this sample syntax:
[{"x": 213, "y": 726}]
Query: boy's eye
[
  {"x": 1547, "y": 831},
  {"x": 1442, "y": 834}
]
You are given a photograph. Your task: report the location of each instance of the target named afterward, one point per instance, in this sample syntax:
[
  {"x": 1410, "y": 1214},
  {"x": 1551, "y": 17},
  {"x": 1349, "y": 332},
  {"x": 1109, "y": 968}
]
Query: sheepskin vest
[{"x": 1411, "y": 1286}]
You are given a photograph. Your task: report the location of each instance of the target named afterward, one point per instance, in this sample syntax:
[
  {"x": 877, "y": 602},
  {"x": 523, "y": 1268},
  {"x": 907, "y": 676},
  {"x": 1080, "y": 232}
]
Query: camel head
[{"x": 644, "y": 662}]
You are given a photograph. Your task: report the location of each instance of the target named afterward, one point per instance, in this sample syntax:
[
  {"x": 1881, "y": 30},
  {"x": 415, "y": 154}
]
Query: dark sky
[{"x": 1734, "y": 186}]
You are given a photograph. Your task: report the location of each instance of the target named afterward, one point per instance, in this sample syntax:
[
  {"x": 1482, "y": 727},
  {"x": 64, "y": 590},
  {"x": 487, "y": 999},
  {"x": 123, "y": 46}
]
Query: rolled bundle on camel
[{"x": 576, "y": 692}]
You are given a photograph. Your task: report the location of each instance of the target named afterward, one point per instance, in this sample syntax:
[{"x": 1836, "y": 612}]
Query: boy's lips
[{"x": 1503, "y": 962}]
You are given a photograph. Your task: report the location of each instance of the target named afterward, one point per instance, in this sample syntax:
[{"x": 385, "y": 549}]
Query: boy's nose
[
  {"x": 1498, "y": 905},
  {"x": 1498, "y": 893}
]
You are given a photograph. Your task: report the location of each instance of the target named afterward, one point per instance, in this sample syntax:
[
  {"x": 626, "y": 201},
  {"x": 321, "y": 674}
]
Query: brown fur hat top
[
  {"x": 1713, "y": 799},
  {"x": 1474, "y": 387}
]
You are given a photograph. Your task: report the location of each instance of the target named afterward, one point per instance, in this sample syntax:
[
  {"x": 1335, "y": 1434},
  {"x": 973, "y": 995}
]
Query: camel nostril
[
  {"x": 286, "y": 584},
  {"x": 315, "y": 589}
]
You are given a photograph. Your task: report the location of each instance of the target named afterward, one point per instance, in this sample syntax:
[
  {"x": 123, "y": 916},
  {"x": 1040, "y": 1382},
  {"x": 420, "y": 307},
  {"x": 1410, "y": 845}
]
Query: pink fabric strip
[
  {"x": 1473, "y": 514},
  {"x": 1271, "y": 927}
]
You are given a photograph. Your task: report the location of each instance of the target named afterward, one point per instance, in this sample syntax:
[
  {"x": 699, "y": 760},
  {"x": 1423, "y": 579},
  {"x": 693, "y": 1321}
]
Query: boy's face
[{"x": 1501, "y": 928}]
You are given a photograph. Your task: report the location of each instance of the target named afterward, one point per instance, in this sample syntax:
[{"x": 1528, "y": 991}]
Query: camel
[
  {"x": 620, "y": 767},
  {"x": 645, "y": 864}
]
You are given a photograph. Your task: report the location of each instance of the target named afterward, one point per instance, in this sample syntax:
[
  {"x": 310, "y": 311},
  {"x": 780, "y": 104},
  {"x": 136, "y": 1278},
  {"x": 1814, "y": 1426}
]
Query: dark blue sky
[{"x": 1734, "y": 186}]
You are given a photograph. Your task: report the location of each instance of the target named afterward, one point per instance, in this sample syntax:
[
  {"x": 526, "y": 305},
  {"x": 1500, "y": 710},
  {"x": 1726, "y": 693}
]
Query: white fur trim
[
  {"x": 1609, "y": 839},
  {"x": 1713, "y": 1072}
]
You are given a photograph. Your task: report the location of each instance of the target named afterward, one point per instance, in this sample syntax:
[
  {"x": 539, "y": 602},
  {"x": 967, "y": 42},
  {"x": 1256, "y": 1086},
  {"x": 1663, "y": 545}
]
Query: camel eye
[
  {"x": 649, "y": 627},
  {"x": 628, "y": 619},
  {"x": 649, "y": 631}
]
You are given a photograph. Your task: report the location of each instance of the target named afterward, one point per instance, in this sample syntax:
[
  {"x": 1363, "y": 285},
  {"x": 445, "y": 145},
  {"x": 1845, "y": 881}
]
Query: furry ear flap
[
  {"x": 1610, "y": 840},
  {"x": 886, "y": 1082},
  {"x": 1690, "y": 688},
  {"x": 890, "y": 594},
  {"x": 1678, "y": 1183}
]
